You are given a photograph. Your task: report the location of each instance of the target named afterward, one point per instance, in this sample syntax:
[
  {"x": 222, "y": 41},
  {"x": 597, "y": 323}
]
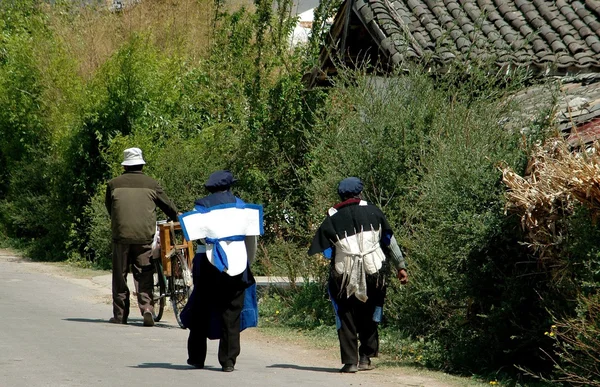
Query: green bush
[
  {"x": 99, "y": 246},
  {"x": 304, "y": 307},
  {"x": 577, "y": 344},
  {"x": 428, "y": 153},
  {"x": 288, "y": 259},
  {"x": 31, "y": 128},
  {"x": 427, "y": 148}
]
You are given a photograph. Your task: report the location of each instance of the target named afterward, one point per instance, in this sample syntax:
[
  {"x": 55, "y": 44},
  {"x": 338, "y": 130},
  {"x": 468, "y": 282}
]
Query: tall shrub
[
  {"x": 35, "y": 93},
  {"x": 427, "y": 151}
]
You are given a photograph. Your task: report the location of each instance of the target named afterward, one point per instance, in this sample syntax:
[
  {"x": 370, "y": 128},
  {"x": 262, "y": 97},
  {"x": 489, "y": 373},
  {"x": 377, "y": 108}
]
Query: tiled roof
[
  {"x": 579, "y": 108},
  {"x": 561, "y": 34},
  {"x": 574, "y": 102}
]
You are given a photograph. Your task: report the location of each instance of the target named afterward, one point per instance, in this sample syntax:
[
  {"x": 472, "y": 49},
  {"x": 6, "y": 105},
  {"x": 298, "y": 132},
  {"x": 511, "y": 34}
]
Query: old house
[{"x": 553, "y": 39}]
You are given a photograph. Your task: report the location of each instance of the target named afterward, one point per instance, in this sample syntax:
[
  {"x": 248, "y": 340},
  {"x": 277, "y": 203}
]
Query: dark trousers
[
  {"x": 139, "y": 258},
  {"x": 220, "y": 303},
  {"x": 356, "y": 318}
]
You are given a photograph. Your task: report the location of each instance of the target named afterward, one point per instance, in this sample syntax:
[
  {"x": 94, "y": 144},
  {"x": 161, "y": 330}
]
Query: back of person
[
  {"x": 358, "y": 238},
  {"x": 133, "y": 208},
  {"x": 216, "y": 198},
  {"x": 358, "y": 229}
]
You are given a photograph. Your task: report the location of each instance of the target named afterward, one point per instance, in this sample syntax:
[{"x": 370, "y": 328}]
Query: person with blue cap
[
  {"x": 223, "y": 301},
  {"x": 360, "y": 243}
]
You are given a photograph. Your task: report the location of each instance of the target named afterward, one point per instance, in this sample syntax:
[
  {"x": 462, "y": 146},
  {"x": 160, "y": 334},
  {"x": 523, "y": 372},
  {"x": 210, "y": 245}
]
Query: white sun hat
[{"x": 133, "y": 156}]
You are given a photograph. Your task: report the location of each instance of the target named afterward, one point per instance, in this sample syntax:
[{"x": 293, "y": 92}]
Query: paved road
[{"x": 54, "y": 332}]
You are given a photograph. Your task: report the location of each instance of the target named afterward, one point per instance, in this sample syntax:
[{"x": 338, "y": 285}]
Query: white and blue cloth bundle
[{"x": 223, "y": 229}]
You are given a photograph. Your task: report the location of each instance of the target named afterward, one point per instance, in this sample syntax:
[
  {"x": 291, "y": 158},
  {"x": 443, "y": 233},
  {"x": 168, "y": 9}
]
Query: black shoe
[
  {"x": 365, "y": 364},
  {"x": 148, "y": 319},
  {"x": 349, "y": 369},
  {"x": 113, "y": 320},
  {"x": 195, "y": 365},
  {"x": 227, "y": 368}
]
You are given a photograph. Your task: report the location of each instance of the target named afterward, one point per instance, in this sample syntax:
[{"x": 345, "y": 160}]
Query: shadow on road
[
  {"x": 303, "y": 368},
  {"x": 170, "y": 366},
  {"x": 135, "y": 323}
]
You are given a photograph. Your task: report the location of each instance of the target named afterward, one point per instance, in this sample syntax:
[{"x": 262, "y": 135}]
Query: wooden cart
[
  {"x": 170, "y": 237},
  {"x": 172, "y": 274}
]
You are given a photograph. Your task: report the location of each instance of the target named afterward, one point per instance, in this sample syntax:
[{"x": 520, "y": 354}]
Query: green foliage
[
  {"x": 285, "y": 258},
  {"x": 428, "y": 156},
  {"x": 426, "y": 147},
  {"x": 580, "y": 271},
  {"x": 99, "y": 245},
  {"x": 31, "y": 128},
  {"x": 303, "y": 307},
  {"x": 22, "y": 128},
  {"x": 577, "y": 344}
]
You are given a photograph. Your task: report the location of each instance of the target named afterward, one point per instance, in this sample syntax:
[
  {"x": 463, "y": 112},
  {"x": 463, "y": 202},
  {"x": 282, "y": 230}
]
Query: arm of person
[
  {"x": 251, "y": 246},
  {"x": 108, "y": 200},
  {"x": 395, "y": 256},
  {"x": 321, "y": 242},
  {"x": 165, "y": 204}
]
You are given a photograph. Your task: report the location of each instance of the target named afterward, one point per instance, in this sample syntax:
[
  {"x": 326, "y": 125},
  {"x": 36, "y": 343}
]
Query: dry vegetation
[
  {"x": 92, "y": 35},
  {"x": 554, "y": 180}
]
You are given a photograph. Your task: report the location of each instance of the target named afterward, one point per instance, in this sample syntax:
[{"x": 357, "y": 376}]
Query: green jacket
[{"x": 131, "y": 201}]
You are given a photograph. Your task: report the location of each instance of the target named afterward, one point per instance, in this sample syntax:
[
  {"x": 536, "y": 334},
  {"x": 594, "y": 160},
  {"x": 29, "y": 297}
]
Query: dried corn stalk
[{"x": 554, "y": 180}]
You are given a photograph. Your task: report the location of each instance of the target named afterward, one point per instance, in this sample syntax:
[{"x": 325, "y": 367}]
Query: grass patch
[
  {"x": 76, "y": 271},
  {"x": 322, "y": 337},
  {"x": 325, "y": 338}
]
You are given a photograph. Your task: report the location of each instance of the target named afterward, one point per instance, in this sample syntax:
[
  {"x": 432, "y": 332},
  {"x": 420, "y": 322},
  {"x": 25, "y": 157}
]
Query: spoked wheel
[
  {"x": 180, "y": 284},
  {"x": 159, "y": 290}
]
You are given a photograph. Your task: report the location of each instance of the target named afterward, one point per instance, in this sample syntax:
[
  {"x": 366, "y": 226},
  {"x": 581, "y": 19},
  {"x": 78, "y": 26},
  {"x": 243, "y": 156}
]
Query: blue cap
[
  {"x": 350, "y": 186},
  {"x": 219, "y": 180}
]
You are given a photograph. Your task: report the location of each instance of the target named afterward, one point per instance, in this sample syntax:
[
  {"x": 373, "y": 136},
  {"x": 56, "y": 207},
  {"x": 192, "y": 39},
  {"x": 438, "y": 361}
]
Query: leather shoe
[
  {"x": 349, "y": 369},
  {"x": 113, "y": 320},
  {"x": 195, "y": 365},
  {"x": 227, "y": 368},
  {"x": 148, "y": 319},
  {"x": 365, "y": 364}
]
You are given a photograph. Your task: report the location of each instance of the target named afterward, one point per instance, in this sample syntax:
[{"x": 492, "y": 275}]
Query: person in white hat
[{"x": 131, "y": 200}]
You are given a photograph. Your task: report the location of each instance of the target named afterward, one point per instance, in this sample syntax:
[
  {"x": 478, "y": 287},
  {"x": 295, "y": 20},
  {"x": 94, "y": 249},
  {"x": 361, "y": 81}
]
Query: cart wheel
[
  {"x": 159, "y": 290},
  {"x": 180, "y": 284}
]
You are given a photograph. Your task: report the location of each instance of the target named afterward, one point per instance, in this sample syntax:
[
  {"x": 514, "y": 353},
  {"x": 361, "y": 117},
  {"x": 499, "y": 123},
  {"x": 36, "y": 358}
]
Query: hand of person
[{"x": 403, "y": 276}]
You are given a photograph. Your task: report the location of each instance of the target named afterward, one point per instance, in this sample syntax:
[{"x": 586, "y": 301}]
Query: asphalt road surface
[{"x": 54, "y": 332}]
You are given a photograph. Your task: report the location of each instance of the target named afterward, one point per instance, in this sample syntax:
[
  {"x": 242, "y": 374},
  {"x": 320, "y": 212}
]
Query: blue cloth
[
  {"x": 186, "y": 314},
  {"x": 249, "y": 316},
  {"x": 219, "y": 256}
]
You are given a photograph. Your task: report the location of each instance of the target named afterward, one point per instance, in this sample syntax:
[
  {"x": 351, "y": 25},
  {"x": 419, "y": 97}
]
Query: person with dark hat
[
  {"x": 223, "y": 301},
  {"x": 131, "y": 200},
  {"x": 359, "y": 241}
]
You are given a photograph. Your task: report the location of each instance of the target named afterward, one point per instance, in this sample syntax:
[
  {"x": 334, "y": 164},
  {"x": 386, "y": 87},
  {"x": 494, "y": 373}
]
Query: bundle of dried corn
[{"x": 555, "y": 178}]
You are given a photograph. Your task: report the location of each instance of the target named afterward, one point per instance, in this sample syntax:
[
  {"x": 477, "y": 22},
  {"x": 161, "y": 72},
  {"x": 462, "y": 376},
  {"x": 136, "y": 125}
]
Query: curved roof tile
[{"x": 563, "y": 34}]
